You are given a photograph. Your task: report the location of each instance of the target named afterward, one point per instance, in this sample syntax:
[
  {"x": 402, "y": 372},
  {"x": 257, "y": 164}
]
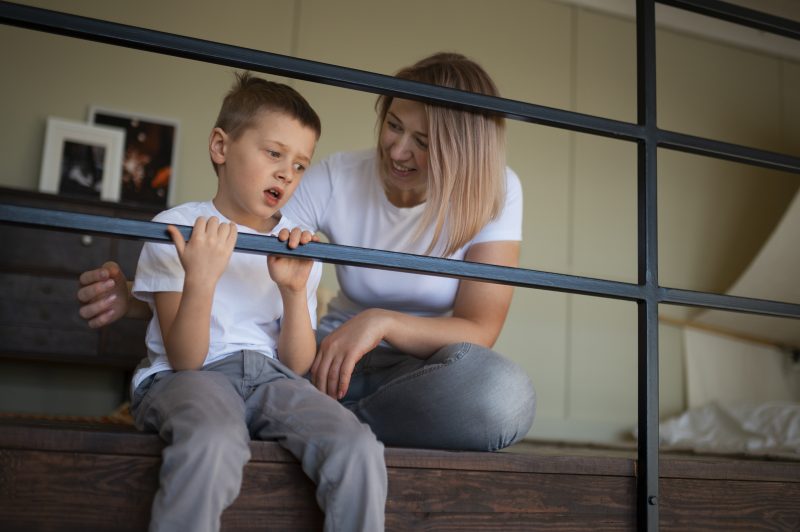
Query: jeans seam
[{"x": 464, "y": 348}]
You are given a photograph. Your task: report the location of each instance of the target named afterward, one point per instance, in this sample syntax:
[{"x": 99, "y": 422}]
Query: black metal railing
[{"x": 647, "y": 293}]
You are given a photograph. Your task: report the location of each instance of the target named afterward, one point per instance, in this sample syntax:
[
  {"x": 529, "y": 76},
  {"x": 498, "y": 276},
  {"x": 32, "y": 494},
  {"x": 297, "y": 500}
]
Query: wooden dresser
[{"x": 39, "y": 272}]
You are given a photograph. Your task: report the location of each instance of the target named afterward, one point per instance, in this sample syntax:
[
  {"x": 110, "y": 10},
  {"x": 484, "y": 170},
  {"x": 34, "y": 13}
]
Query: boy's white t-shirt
[
  {"x": 247, "y": 305},
  {"x": 344, "y": 198}
]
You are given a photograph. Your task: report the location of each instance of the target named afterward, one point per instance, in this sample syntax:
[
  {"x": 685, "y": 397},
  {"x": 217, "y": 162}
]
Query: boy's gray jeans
[
  {"x": 207, "y": 419},
  {"x": 464, "y": 397}
]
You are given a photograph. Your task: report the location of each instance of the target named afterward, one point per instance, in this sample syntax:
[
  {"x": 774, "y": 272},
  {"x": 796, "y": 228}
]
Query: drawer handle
[{"x": 86, "y": 240}]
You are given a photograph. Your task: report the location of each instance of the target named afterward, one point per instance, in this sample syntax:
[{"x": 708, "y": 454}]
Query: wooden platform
[{"x": 87, "y": 477}]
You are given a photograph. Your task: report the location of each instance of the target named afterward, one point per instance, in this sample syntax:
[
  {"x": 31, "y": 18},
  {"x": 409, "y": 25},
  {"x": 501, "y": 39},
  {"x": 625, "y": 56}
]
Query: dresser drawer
[
  {"x": 39, "y": 271},
  {"x": 44, "y": 250},
  {"x": 40, "y": 315}
]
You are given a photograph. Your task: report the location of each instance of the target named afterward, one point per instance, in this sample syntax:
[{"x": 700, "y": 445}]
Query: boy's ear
[{"x": 218, "y": 145}]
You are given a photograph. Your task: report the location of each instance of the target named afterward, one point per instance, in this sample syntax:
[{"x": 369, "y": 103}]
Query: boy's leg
[
  {"x": 464, "y": 397},
  {"x": 338, "y": 452},
  {"x": 200, "y": 416}
]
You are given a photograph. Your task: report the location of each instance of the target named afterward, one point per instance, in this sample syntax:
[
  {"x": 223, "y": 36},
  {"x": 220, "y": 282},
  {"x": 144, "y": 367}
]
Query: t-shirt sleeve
[
  {"x": 308, "y": 204},
  {"x": 508, "y": 224},
  {"x": 159, "y": 268}
]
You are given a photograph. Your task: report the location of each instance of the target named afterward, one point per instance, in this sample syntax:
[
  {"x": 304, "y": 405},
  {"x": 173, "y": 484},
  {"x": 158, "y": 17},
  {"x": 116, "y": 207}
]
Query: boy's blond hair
[
  {"x": 466, "y": 174},
  {"x": 251, "y": 95}
]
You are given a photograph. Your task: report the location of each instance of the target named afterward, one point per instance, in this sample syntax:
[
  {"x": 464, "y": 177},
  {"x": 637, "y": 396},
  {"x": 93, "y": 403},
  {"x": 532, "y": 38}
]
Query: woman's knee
[{"x": 502, "y": 399}]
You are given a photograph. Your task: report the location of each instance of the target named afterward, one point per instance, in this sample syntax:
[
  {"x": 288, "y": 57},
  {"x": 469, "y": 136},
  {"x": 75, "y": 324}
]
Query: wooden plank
[
  {"x": 77, "y": 437},
  {"x": 103, "y": 478},
  {"x": 67, "y": 491},
  {"x": 71, "y": 491},
  {"x": 102, "y": 439},
  {"x": 512, "y": 522},
  {"x": 528, "y": 462},
  {"x": 44, "y": 436},
  {"x": 484, "y": 492},
  {"x": 729, "y": 505},
  {"x": 729, "y": 468}
]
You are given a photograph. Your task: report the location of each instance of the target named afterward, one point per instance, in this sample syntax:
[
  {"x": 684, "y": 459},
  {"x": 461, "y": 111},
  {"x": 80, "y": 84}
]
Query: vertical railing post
[{"x": 647, "y": 235}]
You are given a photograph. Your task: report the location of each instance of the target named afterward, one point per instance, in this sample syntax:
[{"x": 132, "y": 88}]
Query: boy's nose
[{"x": 284, "y": 173}]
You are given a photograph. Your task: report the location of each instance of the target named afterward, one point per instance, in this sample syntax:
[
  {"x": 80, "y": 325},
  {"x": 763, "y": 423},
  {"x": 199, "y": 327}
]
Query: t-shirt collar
[{"x": 213, "y": 211}]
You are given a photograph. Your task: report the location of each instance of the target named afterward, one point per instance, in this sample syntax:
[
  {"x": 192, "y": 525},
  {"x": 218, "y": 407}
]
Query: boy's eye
[
  {"x": 273, "y": 153},
  {"x": 299, "y": 167}
]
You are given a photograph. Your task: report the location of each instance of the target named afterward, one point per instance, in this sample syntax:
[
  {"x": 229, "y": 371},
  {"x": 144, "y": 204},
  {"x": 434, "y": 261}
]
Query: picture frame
[
  {"x": 82, "y": 160},
  {"x": 149, "y": 155}
]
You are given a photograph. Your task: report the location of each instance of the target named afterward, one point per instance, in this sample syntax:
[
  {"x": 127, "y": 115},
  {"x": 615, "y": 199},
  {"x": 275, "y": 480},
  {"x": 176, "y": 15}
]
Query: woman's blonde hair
[{"x": 466, "y": 153}]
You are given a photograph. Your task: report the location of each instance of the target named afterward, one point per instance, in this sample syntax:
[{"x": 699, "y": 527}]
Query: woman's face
[{"x": 403, "y": 147}]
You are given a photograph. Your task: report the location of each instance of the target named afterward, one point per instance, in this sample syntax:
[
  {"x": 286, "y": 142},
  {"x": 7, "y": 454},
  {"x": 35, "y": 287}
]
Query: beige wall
[{"x": 580, "y": 190}]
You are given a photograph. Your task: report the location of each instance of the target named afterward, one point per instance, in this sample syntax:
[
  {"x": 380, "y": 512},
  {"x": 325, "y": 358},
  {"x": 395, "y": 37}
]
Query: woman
[{"x": 410, "y": 354}]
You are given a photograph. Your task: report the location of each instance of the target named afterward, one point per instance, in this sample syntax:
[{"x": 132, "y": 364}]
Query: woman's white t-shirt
[
  {"x": 344, "y": 198},
  {"x": 247, "y": 306}
]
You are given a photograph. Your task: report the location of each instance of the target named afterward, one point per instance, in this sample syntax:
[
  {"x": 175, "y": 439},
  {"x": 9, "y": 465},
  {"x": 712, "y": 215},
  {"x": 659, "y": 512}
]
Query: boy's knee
[
  {"x": 364, "y": 443},
  {"x": 356, "y": 446},
  {"x": 216, "y": 440}
]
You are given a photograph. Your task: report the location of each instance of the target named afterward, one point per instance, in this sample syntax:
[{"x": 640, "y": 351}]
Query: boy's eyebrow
[{"x": 398, "y": 119}]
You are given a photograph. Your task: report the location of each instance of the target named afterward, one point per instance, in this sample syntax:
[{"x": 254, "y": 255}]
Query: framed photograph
[
  {"x": 79, "y": 159},
  {"x": 149, "y": 157}
]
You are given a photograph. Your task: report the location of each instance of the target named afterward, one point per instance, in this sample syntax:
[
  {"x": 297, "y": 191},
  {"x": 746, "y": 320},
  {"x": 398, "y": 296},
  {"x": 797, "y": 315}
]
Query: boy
[{"x": 231, "y": 334}]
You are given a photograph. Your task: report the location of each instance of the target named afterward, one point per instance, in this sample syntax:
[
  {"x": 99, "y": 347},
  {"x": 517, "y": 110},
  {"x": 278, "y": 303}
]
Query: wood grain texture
[{"x": 89, "y": 477}]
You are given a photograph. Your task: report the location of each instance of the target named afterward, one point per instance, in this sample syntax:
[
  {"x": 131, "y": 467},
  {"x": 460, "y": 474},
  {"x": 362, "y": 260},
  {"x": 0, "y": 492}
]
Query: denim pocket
[{"x": 141, "y": 391}]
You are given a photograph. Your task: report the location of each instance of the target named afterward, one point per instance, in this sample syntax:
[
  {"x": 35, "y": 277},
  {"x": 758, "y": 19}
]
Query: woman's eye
[
  {"x": 393, "y": 126},
  {"x": 422, "y": 144}
]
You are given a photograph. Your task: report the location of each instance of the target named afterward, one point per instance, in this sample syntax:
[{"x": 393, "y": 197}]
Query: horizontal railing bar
[
  {"x": 725, "y": 150},
  {"x": 747, "y": 305},
  {"x": 739, "y": 15},
  {"x": 207, "y": 51},
  {"x": 389, "y": 260},
  {"x": 333, "y": 253},
  {"x": 246, "y": 58}
]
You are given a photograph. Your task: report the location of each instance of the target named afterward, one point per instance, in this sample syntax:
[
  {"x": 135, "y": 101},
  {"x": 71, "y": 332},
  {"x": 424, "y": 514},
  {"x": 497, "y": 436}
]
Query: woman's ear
[{"x": 218, "y": 145}]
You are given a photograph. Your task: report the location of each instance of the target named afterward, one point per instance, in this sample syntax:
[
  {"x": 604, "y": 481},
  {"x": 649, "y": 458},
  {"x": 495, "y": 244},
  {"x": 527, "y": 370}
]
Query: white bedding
[{"x": 769, "y": 429}]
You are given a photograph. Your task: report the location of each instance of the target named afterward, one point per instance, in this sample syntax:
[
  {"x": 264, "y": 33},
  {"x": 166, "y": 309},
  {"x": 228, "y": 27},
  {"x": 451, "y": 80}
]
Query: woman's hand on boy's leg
[
  {"x": 340, "y": 351},
  {"x": 291, "y": 273},
  {"x": 103, "y": 295},
  {"x": 206, "y": 255}
]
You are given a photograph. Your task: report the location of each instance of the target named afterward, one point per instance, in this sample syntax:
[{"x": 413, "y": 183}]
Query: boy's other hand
[
  {"x": 291, "y": 273},
  {"x": 206, "y": 255},
  {"x": 103, "y": 295}
]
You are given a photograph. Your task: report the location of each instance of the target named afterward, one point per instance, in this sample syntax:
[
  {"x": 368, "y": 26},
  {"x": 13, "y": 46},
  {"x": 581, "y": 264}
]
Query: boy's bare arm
[
  {"x": 297, "y": 344},
  {"x": 185, "y": 317}
]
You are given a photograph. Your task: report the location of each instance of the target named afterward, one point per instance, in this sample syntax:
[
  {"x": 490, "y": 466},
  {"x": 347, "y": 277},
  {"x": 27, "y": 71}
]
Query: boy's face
[{"x": 259, "y": 171}]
